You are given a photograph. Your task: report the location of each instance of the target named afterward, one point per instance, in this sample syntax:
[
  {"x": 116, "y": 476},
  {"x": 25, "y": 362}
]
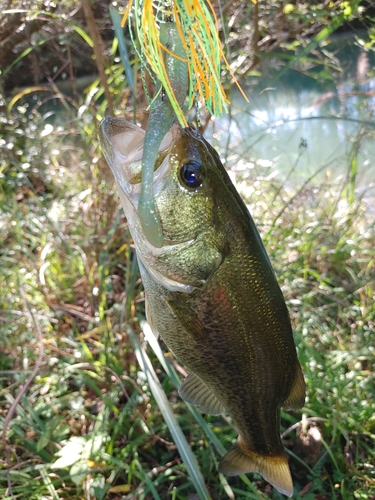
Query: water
[{"x": 299, "y": 129}]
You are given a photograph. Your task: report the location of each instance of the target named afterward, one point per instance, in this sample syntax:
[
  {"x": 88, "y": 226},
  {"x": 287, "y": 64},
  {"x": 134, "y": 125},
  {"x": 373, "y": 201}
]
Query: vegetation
[{"x": 82, "y": 413}]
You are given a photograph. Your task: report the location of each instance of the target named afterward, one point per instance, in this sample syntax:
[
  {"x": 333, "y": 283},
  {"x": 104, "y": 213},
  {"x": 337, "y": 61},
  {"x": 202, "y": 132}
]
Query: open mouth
[{"x": 123, "y": 144}]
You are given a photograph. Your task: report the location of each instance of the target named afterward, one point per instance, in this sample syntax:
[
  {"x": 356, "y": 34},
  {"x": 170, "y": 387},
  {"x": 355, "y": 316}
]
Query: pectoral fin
[
  {"x": 274, "y": 468},
  {"x": 187, "y": 316},
  {"x": 195, "y": 391},
  {"x": 296, "y": 398}
]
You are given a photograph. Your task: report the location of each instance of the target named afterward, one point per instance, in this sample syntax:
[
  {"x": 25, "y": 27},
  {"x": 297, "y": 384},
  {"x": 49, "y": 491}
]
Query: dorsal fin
[
  {"x": 188, "y": 318},
  {"x": 296, "y": 398}
]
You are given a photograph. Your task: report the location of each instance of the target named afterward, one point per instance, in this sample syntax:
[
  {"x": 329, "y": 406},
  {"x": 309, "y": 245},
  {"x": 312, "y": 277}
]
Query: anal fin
[
  {"x": 195, "y": 391},
  {"x": 296, "y": 398},
  {"x": 274, "y": 468}
]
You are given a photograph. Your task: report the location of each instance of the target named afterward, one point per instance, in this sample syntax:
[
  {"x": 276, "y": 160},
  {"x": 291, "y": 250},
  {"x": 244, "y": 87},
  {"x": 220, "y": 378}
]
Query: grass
[{"x": 96, "y": 424}]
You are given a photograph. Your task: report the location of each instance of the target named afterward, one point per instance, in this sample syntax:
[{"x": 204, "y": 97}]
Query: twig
[
  {"x": 98, "y": 51},
  {"x": 22, "y": 391},
  {"x": 298, "y": 424},
  {"x": 107, "y": 368},
  {"x": 73, "y": 312}
]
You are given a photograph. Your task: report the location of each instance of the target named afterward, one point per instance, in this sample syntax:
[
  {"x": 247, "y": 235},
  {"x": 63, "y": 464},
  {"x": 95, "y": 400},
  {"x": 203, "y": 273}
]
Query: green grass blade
[
  {"x": 147, "y": 480},
  {"x": 21, "y": 56},
  {"x": 119, "y": 32},
  {"x": 154, "y": 344},
  {"x": 82, "y": 34},
  {"x": 49, "y": 484},
  {"x": 171, "y": 421},
  {"x": 175, "y": 379}
]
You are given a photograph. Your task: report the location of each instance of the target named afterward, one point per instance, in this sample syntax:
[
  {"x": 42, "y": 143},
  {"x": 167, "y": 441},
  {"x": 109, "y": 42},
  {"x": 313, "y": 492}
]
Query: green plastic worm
[{"x": 161, "y": 119}]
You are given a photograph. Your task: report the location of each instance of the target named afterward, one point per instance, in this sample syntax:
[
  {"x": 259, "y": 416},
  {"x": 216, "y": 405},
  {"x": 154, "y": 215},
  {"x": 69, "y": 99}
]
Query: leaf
[
  {"x": 97, "y": 487},
  {"x": 42, "y": 442},
  {"x": 21, "y": 56},
  {"x": 120, "y": 488},
  {"x": 145, "y": 477},
  {"x": 93, "y": 446},
  {"x": 70, "y": 453},
  {"x": 78, "y": 472},
  {"x": 119, "y": 32},
  {"x": 81, "y": 33},
  {"x": 28, "y": 90},
  {"x": 337, "y": 21},
  {"x": 61, "y": 432},
  {"x": 49, "y": 484}
]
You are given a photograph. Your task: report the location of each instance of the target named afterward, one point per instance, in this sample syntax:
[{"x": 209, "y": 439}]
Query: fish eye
[{"x": 191, "y": 174}]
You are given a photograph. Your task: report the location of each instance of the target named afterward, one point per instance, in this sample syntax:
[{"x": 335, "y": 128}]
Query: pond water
[{"x": 299, "y": 129}]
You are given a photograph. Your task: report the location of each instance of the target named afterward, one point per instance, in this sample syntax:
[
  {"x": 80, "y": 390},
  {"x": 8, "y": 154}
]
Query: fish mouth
[{"x": 123, "y": 143}]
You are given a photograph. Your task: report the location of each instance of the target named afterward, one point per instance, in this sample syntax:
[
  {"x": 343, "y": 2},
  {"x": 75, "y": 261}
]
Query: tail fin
[{"x": 274, "y": 468}]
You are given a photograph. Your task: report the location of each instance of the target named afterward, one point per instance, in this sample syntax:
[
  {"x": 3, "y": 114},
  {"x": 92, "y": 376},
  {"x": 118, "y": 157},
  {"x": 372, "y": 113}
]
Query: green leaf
[
  {"x": 119, "y": 32},
  {"x": 78, "y": 472},
  {"x": 147, "y": 480},
  {"x": 97, "y": 487},
  {"x": 42, "y": 442},
  {"x": 337, "y": 21},
  {"x": 94, "y": 445},
  {"x": 82, "y": 34},
  {"x": 49, "y": 484},
  {"x": 21, "y": 56},
  {"x": 70, "y": 453}
]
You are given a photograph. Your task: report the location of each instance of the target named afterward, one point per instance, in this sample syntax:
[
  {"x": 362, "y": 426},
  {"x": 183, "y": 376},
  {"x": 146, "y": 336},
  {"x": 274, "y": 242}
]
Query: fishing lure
[
  {"x": 160, "y": 121},
  {"x": 197, "y": 27}
]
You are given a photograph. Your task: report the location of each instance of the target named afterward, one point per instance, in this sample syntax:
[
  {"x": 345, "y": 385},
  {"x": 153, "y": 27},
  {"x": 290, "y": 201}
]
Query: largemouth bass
[{"x": 211, "y": 293}]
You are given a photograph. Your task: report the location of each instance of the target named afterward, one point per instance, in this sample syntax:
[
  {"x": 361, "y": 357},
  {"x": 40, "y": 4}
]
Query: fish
[{"x": 212, "y": 294}]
